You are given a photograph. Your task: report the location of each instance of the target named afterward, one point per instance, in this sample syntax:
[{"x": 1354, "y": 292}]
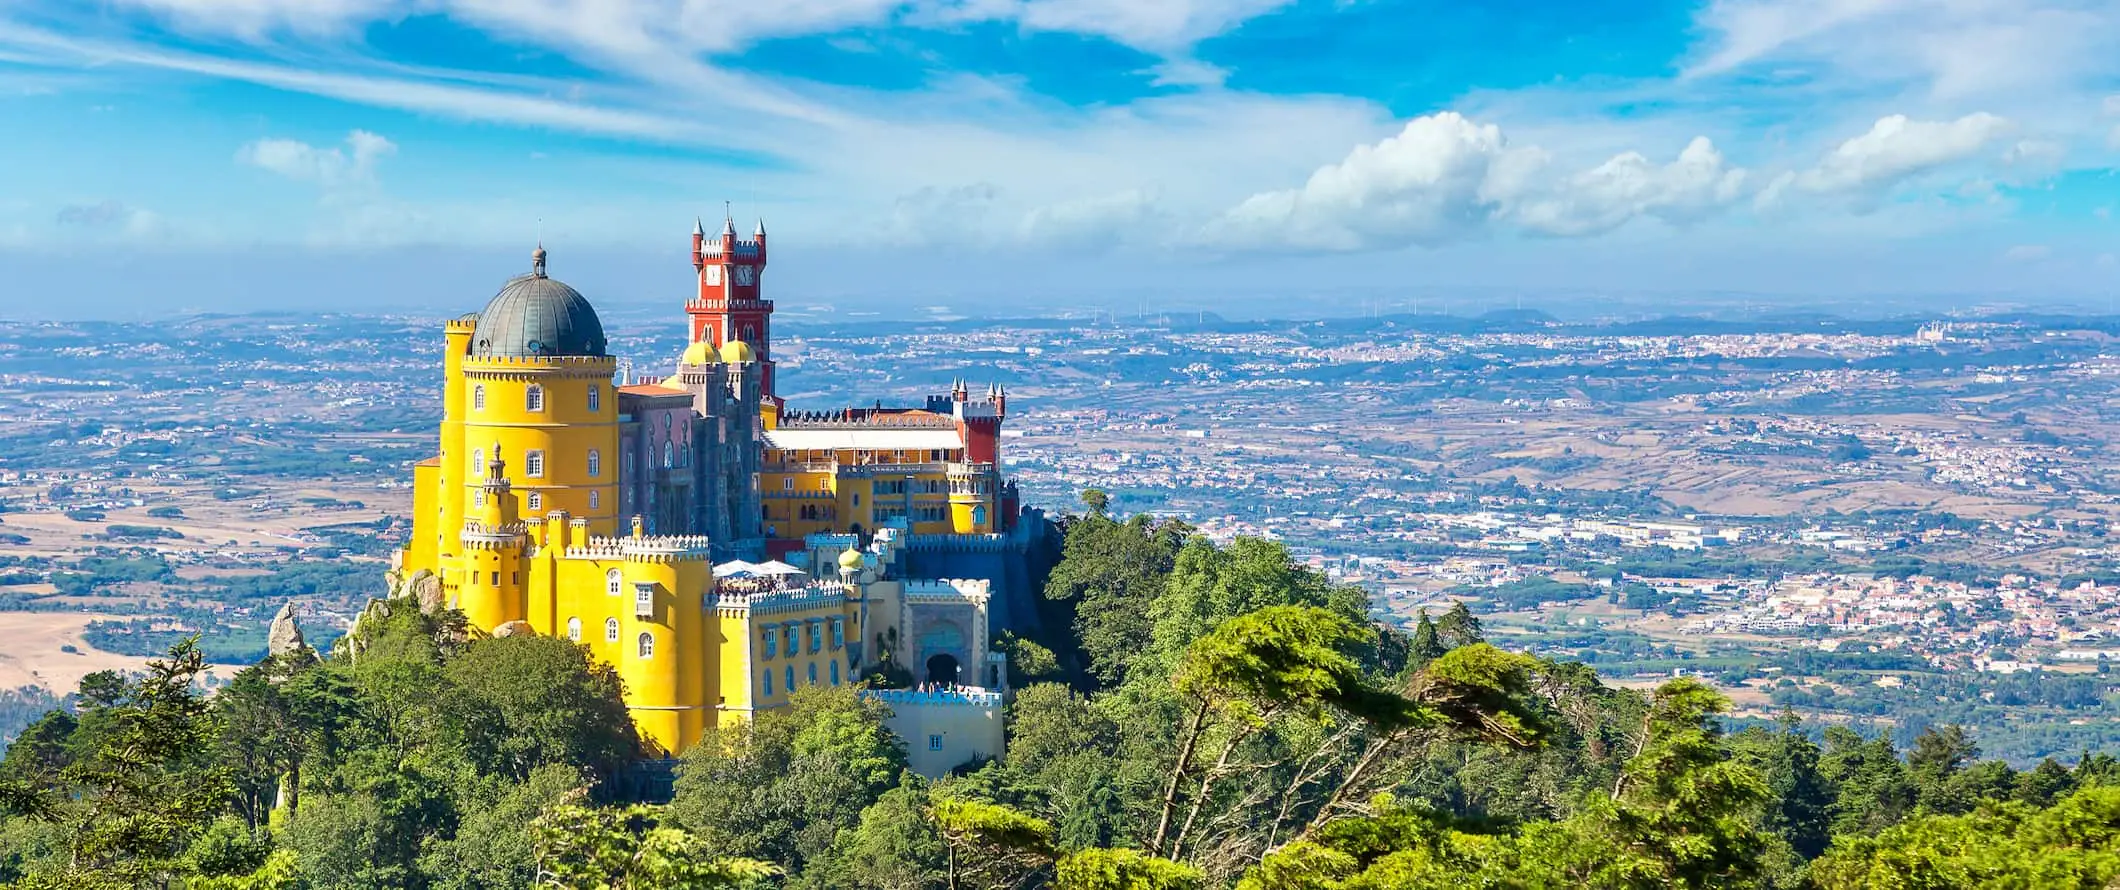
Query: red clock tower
[{"x": 728, "y": 306}]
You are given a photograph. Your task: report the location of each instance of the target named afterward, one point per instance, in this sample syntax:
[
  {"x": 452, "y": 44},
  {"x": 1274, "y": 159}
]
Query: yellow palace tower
[
  {"x": 625, "y": 516},
  {"x": 516, "y": 520}
]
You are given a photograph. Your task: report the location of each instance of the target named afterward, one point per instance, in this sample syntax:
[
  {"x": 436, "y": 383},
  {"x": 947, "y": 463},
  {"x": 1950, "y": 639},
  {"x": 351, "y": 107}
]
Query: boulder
[
  {"x": 427, "y": 589},
  {"x": 286, "y": 634},
  {"x": 515, "y": 629}
]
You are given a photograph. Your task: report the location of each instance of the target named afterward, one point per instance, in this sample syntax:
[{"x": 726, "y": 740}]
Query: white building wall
[{"x": 945, "y": 729}]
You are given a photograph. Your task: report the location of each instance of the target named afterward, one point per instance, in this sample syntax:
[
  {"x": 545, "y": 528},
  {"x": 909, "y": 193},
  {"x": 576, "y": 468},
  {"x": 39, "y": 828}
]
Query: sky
[{"x": 163, "y": 156}]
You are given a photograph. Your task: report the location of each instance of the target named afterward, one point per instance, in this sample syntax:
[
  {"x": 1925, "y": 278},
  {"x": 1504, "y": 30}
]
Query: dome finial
[{"x": 537, "y": 259}]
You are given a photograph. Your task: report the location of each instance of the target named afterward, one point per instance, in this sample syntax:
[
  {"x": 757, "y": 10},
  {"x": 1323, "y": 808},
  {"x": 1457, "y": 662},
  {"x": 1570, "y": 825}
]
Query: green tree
[
  {"x": 493, "y": 846},
  {"x": 556, "y": 704},
  {"x": 783, "y": 786},
  {"x": 1108, "y": 574},
  {"x": 989, "y": 846},
  {"x": 1459, "y": 627},
  {"x": 896, "y": 846},
  {"x": 2076, "y": 843},
  {"x": 1427, "y": 643},
  {"x": 141, "y": 787},
  {"x": 584, "y": 848},
  {"x": 1099, "y": 869},
  {"x": 1873, "y": 788}
]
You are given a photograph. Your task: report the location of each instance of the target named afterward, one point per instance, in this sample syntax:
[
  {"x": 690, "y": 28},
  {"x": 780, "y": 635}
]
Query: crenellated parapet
[
  {"x": 989, "y": 543},
  {"x": 948, "y": 590},
  {"x": 736, "y": 601},
  {"x": 969, "y": 696},
  {"x": 505, "y": 367},
  {"x": 645, "y": 548},
  {"x": 480, "y": 536}
]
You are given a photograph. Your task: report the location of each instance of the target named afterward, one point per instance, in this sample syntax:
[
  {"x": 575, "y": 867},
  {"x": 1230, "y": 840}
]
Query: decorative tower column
[
  {"x": 490, "y": 592},
  {"x": 729, "y": 305}
]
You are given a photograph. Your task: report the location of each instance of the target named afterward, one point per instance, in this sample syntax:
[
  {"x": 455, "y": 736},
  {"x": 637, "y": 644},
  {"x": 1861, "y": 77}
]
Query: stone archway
[{"x": 942, "y": 669}]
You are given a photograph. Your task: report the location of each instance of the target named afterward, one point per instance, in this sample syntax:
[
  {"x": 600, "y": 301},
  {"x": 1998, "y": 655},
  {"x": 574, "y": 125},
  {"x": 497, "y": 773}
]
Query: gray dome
[{"x": 538, "y": 316}]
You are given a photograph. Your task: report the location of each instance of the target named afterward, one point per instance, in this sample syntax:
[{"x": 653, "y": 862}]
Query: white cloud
[
  {"x": 1445, "y": 178},
  {"x": 721, "y": 26},
  {"x": 111, "y": 217},
  {"x": 1187, "y": 73},
  {"x": 1154, "y": 25},
  {"x": 1896, "y": 148},
  {"x": 1952, "y": 48},
  {"x": 935, "y": 215},
  {"x": 2027, "y": 253},
  {"x": 1695, "y": 186},
  {"x": 1126, "y": 218},
  {"x": 329, "y": 168}
]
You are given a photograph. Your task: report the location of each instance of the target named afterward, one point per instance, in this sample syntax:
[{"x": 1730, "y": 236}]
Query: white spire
[
  {"x": 699, "y": 227},
  {"x": 761, "y": 227}
]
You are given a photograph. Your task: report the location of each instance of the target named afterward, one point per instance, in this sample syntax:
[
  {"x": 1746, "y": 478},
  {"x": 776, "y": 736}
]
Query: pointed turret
[{"x": 699, "y": 244}]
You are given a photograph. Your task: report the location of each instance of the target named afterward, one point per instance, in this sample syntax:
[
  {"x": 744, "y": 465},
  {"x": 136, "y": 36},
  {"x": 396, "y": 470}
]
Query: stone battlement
[
  {"x": 796, "y": 599},
  {"x": 947, "y": 588},
  {"x": 650, "y": 548},
  {"x": 972, "y": 696},
  {"x": 520, "y": 362},
  {"x": 958, "y": 543}
]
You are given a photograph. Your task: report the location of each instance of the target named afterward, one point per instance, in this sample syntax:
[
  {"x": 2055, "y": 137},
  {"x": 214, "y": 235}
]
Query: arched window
[
  {"x": 574, "y": 629},
  {"x": 478, "y": 461},
  {"x": 769, "y": 682},
  {"x": 596, "y": 463},
  {"x": 669, "y": 455},
  {"x": 813, "y": 673},
  {"x": 610, "y": 630},
  {"x": 612, "y": 583},
  {"x": 534, "y": 398},
  {"x": 537, "y": 501},
  {"x": 647, "y": 645},
  {"x": 835, "y": 673},
  {"x": 788, "y": 674},
  {"x": 478, "y": 397},
  {"x": 596, "y": 397},
  {"x": 534, "y": 464},
  {"x": 594, "y": 498}
]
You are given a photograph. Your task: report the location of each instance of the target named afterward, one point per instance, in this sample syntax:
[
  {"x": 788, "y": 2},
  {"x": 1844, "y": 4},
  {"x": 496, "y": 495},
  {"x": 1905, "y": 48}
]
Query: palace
[{"x": 718, "y": 548}]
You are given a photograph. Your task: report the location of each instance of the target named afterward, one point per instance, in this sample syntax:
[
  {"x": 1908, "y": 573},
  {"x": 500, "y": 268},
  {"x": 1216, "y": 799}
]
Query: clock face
[
  {"x": 714, "y": 275},
  {"x": 746, "y": 275}
]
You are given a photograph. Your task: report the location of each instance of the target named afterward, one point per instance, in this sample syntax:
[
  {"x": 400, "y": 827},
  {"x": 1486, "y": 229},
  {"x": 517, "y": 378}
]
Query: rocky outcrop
[
  {"x": 515, "y": 629},
  {"x": 286, "y": 635},
  {"x": 427, "y": 590}
]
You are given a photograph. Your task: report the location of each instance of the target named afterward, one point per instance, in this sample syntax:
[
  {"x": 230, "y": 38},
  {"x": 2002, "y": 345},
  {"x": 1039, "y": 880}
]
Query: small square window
[
  {"x": 537, "y": 501},
  {"x": 534, "y": 465},
  {"x": 787, "y": 484},
  {"x": 935, "y": 741}
]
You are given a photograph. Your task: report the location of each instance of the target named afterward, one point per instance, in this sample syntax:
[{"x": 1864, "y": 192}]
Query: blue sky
[{"x": 1057, "y": 152}]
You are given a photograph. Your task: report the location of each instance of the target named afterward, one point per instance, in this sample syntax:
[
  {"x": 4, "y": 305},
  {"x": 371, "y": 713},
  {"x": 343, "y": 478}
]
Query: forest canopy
[{"x": 1194, "y": 716}]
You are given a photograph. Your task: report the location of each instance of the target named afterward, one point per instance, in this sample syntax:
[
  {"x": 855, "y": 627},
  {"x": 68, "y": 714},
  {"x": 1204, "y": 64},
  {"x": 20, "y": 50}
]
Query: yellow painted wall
[{"x": 566, "y": 431}]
